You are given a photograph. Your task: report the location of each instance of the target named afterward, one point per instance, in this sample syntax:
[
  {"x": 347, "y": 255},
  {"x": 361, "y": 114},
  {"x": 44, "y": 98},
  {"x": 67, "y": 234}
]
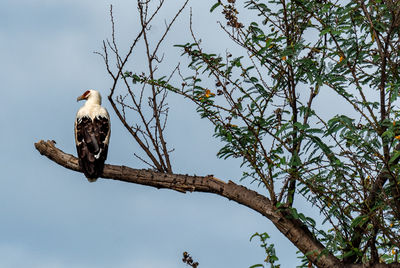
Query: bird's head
[{"x": 90, "y": 95}]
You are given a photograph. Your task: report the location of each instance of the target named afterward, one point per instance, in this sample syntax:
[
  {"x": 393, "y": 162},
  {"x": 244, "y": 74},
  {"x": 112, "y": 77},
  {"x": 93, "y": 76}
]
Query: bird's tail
[{"x": 92, "y": 179}]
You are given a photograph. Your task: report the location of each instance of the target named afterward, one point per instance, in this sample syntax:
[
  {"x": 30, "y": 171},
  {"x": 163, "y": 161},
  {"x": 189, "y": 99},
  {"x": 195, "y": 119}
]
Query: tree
[{"x": 266, "y": 108}]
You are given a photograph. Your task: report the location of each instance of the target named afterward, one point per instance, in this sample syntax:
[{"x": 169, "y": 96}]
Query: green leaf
[
  {"x": 229, "y": 136},
  {"x": 294, "y": 213},
  {"x": 254, "y": 235},
  {"x": 388, "y": 133},
  {"x": 395, "y": 156},
  {"x": 360, "y": 220},
  {"x": 215, "y": 6},
  {"x": 311, "y": 221},
  {"x": 349, "y": 253},
  {"x": 295, "y": 160}
]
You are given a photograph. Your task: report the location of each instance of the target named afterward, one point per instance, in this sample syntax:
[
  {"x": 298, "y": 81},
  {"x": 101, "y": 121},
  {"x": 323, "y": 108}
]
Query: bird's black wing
[{"x": 92, "y": 145}]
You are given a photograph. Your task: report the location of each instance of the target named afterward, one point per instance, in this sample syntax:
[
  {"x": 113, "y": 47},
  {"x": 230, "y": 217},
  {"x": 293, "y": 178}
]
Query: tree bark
[{"x": 293, "y": 229}]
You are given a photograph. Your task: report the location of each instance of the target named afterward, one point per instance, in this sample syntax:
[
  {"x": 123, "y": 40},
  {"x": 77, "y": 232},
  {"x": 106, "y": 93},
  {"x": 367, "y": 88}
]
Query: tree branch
[{"x": 293, "y": 229}]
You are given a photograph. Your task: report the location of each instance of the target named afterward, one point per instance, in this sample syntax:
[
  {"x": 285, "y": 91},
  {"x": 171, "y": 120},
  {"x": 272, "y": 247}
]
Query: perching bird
[{"x": 92, "y": 134}]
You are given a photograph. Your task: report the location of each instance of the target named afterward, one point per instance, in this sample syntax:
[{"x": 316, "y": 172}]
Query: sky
[{"x": 51, "y": 216}]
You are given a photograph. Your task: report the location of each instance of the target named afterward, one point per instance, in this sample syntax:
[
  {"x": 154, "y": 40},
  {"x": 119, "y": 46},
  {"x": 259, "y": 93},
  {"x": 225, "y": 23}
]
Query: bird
[{"x": 92, "y": 135}]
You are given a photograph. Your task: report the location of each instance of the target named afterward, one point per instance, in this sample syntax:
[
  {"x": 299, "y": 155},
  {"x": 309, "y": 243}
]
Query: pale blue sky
[{"x": 52, "y": 217}]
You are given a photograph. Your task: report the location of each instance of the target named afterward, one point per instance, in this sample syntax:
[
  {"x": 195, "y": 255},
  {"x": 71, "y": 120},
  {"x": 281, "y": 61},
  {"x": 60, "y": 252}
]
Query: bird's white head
[{"x": 91, "y": 96}]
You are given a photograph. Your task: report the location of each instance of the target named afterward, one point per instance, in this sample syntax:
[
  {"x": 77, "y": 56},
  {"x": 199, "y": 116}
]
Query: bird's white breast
[{"x": 92, "y": 111}]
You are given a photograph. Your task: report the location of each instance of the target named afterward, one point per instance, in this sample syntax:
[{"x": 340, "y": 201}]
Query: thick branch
[{"x": 294, "y": 230}]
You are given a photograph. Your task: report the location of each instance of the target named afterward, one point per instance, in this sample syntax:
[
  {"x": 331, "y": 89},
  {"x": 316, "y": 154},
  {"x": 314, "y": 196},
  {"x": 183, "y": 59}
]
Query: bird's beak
[{"x": 82, "y": 97}]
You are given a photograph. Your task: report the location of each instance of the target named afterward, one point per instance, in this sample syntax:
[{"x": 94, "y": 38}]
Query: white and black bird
[{"x": 92, "y": 135}]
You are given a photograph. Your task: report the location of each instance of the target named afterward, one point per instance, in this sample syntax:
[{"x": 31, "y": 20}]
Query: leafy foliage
[
  {"x": 269, "y": 251},
  {"x": 309, "y": 109}
]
